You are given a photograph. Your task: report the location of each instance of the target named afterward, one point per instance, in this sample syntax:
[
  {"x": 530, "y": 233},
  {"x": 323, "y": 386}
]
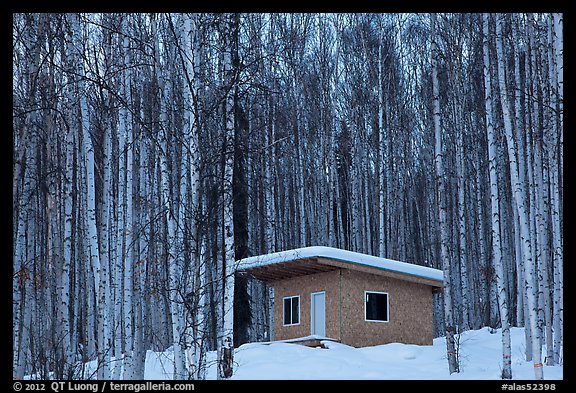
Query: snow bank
[{"x": 480, "y": 357}]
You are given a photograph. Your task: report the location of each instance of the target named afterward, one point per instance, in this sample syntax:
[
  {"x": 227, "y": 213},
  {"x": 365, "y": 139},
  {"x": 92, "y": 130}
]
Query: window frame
[
  {"x": 387, "y": 306},
  {"x": 291, "y": 316}
]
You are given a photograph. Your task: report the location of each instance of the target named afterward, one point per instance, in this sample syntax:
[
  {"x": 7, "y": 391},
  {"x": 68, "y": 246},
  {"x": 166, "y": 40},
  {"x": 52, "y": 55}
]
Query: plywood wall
[
  {"x": 410, "y": 308},
  {"x": 303, "y": 286},
  {"x": 410, "y": 311}
]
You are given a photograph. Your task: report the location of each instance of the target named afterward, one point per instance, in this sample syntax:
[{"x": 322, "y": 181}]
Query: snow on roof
[{"x": 343, "y": 256}]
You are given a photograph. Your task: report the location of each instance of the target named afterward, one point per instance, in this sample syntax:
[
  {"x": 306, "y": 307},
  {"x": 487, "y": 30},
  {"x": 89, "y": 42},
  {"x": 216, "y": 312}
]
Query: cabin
[{"x": 357, "y": 299}]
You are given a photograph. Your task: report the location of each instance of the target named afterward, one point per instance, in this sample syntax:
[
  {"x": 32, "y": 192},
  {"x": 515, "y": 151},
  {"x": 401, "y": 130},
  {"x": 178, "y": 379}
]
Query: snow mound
[{"x": 480, "y": 358}]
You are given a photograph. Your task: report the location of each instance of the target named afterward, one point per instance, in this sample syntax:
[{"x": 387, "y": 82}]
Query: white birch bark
[
  {"x": 140, "y": 300},
  {"x": 558, "y": 21},
  {"x": 300, "y": 171},
  {"x": 335, "y": 201},
  {"x": 127, "y": 155},
  {"x": 179, "y": 273},
  {"x": 88, "y": 151},
  {"x": 367, "y": 235},
  {"x": 541, "y": 212},
  {"x": 462, "y": 243},
  {"x": 542, "y": 246},
  {"x": 269, "y": 145},
  {"x": 461, "y": 219},
  {"x": 482, "y": 289},
  {"x": 495, "y": 208},
  {"x": 191, "y": 170},
  {"x": 196, "y": 188},
  {"x": 104, "y": 332},
  {"x": 64, "y": 290},
  {"x": 118, "y": 254},
  {"x": 174, "y": 269},
  {"x": 520, "y": 132},
  {"x": 105, "y": 310},
  {"x": 332, "y": 190},
  {"x": 120, "y": 238},
  {"x": 269, "y": 196},
  {"x": 533, "y": 125},
  {"x": 555, "y": 196},
  {"x": 524, "y": 179},
  {"x": 519, "y": 271},
  {"x": 17, "y": 294},
  {"x": 88, "y": 200},
  {"x": 226, "y": 343},
  {"x": 25, "y": 305},
  {"x": 84, "y": 333},
  {"x": 519, "y": 196},
  {"x": 198, "y": 355},
  {"x": 381, "y": 157},
  {"x": 18, "y": 281},
  {"x": 23, "y": 273},
  {"x": 453, "y": 365},
  {"x": 354, "y": 187},
  {"x": 170, "y": 214},
  {"x": 25, "y": 146}
]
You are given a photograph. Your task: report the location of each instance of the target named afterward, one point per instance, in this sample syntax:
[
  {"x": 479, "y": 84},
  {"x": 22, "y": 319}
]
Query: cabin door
[{"x": 318, "y": 312}]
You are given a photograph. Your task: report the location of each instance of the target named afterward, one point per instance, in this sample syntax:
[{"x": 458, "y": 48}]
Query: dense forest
[{"x": 152, "y": 151}]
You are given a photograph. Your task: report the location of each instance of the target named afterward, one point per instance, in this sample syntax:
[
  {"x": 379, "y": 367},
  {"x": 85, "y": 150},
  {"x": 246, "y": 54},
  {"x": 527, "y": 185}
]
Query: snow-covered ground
[{"x": 480, "y": 358}]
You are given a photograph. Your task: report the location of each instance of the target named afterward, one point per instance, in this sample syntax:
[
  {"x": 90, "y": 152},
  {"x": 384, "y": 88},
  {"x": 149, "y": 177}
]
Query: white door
[{"x": 318, "y": 322}]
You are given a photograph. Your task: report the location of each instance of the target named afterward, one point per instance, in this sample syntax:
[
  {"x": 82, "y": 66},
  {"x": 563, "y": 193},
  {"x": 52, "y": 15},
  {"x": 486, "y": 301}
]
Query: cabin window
[
  {"x": 291, "y": 310},
  {"x": 376, "y": 306}
]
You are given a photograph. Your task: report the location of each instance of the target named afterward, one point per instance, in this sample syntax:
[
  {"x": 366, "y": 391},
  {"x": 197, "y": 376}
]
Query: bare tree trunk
[
  {"x": 23, "y": 274},
  {"x": 453, "y": 365},
  {"x": 519, "y": 196},
  {"x": 104, "y": 331},
  {"x": 190, "y": 172},
  {"x": 127, "y": 156},
  {"x": 197, "y": 352},
  {"x": 556, "y": 166},
  {"x": 495, "y": 210},
  {"x": 270, "y": 148},
  {"x": 381, "y": 157},
  {"x": 170, "y": 211},
  {"x": 226, "y": 342},
  {"x": 64, "y": 290},
  {"x": 461, "y": 218}
]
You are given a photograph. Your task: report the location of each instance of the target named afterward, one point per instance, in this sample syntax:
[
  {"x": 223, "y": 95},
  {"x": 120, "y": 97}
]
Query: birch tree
[
  {"x": 453, "y": 365},
  {"x": 105, "y": 343},
  {"x": 556, "y": 170},
  {"x": 170, "y": 211},
  {"x": 23, "y": 189},
  {"x": 519, "y": 197},
  {"x": 126, "y": 156},
  {"x": 226, "y": 339},
  {"x": 190, "y": 169},
  {"x": 381, "y": 155},
  {"x": 494, "y": 204},
  {"x": 64, "y": 290}
]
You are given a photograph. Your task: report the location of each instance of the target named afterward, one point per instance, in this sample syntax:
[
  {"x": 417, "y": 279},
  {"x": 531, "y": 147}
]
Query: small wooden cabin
[{"x": 357, "y": 299}]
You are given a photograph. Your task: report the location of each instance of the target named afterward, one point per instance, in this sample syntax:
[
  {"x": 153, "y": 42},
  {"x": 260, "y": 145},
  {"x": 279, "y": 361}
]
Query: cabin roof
[{"x": 311, "y": 260}]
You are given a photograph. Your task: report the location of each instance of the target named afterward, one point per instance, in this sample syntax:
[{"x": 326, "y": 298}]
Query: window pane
[
  {"x": 376, "y": 306},
  {"x": 287, "y": 311},
  {"x": 295, "y": 310}
]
